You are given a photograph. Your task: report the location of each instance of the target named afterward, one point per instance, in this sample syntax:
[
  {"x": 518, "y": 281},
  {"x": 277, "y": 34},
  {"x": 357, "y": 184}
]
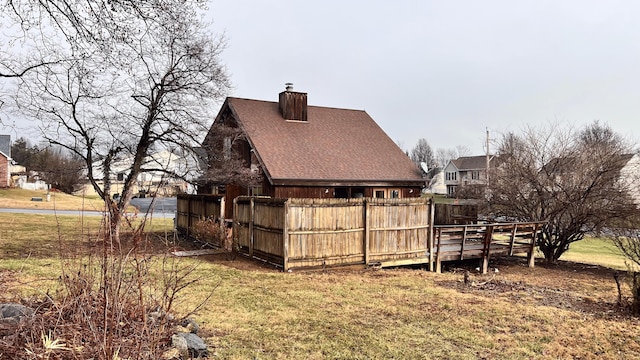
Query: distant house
[
  {"x": 165, "y": 173},
  {"x": 308, "y": 151},
  {"x": 5, "y": 161},
  {"x": 467, "y": 171},
  {"x": 436, "y": 184},
  {"x": 624, "y": 168}
]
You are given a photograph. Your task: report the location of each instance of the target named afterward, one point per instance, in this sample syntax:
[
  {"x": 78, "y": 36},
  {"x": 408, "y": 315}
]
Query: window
[
  {"x": 395, "y": 194},
  {"x": 378, "y": 194},
  {"x": 451, "y": 190},
  {"x": 227, "y": 148},
  {"x": 475, "y": 175},
  {"x": 120, "y": 176},
  {"x": 452, "y": 175}
]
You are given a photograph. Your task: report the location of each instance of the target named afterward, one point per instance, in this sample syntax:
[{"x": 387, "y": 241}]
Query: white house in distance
[
  {"x": 467, "y": 170},
  {"x": 435, "y": 181},
  {"x": 158, "y": 177}
]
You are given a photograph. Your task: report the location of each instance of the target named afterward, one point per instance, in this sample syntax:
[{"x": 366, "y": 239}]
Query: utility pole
[{"x": 488, "y": 158}]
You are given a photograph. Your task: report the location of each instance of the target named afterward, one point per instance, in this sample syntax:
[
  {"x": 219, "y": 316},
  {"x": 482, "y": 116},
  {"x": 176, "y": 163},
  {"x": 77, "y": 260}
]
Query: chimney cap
[{"x": 288, "y": 86}]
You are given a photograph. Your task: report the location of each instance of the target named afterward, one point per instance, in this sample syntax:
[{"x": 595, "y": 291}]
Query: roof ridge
[{"x": 308, "y": 106}]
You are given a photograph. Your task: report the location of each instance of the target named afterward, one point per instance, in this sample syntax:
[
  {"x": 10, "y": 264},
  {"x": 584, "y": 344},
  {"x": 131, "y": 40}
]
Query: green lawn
[{"x": 596, "y": 251}]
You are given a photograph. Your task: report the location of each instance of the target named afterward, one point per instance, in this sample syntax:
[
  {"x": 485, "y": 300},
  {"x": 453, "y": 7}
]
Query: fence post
[
  {"x": 285, "y": 237},
  {"x": 487, "y": 249},
  {"x": 189, "y": 216},
  {"x": 235, "y": 227},
  {"x": 432, "y": 207},
  {"x": 251, "y": 216},
  {"x": 222, "y": 208},
  {"x": 366, "y": 231},
  {"x": 532, "y": 250}
]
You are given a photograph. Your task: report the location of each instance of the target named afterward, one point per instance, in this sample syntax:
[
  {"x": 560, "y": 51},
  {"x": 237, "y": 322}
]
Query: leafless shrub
[
  {"x": 213, "y": 232},
  {"x": 119, "y": 305}
]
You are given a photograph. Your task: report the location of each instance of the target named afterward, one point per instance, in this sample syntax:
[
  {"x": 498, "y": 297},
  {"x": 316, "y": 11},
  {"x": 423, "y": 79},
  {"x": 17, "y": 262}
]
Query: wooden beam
[
  {"x": 513, "y": 238},
  {"x": 464, "y": 238},
  {"x": 438, "y": 255},
  {"x": 251, "y": 217},
  {"x": 532, "y": 249},
  {"x": 430, "y": 234},
  {"x": 285, "y": 238},
  {"x": 366, "y": 212}
]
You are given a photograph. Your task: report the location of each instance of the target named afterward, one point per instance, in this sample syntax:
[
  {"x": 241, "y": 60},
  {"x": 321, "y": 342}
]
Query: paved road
[{"x": 158, "y": 204}]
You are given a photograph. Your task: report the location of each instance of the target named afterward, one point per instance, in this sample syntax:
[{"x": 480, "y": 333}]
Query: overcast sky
[{"x": 442, "y": 70}]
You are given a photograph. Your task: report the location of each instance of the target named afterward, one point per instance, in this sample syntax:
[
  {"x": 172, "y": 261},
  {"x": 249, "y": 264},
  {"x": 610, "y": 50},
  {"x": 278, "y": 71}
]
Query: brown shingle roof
[{"x": 333, "y": 145}]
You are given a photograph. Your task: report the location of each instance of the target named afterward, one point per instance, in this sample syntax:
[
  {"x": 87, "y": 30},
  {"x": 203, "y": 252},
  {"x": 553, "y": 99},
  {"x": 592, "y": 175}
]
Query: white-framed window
[
  {"x": 387, "y": 193},
  {"x": 451, "y": 175},
  {"x": 475, "y": 175}
]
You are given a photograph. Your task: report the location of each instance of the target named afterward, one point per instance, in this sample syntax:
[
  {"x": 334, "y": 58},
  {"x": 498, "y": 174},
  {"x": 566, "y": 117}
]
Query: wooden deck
[{"x": 482, "y": 241}]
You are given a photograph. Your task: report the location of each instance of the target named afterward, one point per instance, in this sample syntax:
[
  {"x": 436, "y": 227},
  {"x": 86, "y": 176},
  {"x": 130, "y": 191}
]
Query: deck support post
[
  {"x": 487, "y": 249},
  {"x": 532, "y": 252},
  {"x": 438, "y": 255}
]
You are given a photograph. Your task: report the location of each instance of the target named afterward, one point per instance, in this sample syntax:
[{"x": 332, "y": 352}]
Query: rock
[
  {"x": 190, "y": 325},
  {"x": 14, "y": 312},
  {"x": 180, "y": 344},
  {"x": 194, "y": 344}
]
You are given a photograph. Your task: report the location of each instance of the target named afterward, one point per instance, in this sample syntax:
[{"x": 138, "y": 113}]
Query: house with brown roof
[
  {"x": 467, "y": 171},
  {"x": 304, "y": 151},
  {"x": 5, "y": 161}
]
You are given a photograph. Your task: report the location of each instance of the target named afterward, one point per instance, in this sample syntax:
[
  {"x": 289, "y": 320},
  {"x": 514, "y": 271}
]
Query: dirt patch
[{"x": 589, "y": 289}]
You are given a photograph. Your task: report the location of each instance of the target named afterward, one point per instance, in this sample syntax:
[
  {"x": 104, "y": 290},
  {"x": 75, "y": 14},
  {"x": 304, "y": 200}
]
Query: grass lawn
[
  {"x": 20, "y": 198},
  {"x": 596, "y": 251},
  {"x": 565, "y": 311}
]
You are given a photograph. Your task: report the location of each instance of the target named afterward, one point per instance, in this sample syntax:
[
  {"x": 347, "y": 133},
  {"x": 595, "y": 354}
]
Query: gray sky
[{"x": 442, "y": 70}]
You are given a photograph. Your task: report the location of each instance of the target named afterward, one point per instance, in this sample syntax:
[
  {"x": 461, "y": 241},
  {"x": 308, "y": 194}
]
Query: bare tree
[
  {"x": 569, "y": 179},
  {"x": 443, "y": 156},
  {"x": 151, "y": 88},
  {"x": 422, "y": 153}
]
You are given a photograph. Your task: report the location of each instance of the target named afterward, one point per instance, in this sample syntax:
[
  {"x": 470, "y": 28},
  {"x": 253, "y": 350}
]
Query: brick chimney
[{"x": 293, "y": 105}]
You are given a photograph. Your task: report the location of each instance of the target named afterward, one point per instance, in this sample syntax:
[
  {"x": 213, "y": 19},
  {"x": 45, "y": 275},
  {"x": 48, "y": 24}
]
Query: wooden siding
[{"x": 293, "y": 105}]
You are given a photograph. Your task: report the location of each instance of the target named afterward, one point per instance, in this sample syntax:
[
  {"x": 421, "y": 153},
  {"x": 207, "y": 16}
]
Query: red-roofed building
[{"x": 309, "y": 151}]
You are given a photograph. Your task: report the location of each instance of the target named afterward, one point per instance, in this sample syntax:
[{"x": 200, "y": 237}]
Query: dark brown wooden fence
[
  {"x": 194, "y": 208},
  {"x": 455, "y": 214}
]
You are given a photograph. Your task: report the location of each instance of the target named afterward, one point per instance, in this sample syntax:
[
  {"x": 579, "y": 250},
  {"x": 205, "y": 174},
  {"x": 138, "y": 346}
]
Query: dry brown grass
[
  {"x": 566, "y": 311},
  {"x": 19, "y": 198}
]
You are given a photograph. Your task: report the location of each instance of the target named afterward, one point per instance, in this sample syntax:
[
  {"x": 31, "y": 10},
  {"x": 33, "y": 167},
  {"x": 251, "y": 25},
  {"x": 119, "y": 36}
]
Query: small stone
[
  {"x": 180, "y": 344},
  {"x": 14, "y": 312},
  {"x": 195, "y": 345}
]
